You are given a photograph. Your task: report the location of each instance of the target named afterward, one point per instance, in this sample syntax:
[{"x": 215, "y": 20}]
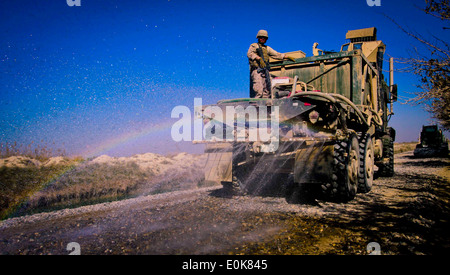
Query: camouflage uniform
[{"x": 258, "y": 77}]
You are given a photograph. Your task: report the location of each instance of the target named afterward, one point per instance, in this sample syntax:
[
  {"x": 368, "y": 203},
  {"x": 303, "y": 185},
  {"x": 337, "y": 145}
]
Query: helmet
[{"x": 262, "y": 33}]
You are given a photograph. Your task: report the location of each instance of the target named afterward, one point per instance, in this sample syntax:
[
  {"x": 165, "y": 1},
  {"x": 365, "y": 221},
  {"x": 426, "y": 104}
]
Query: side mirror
[{"x": 394, "y": 93}]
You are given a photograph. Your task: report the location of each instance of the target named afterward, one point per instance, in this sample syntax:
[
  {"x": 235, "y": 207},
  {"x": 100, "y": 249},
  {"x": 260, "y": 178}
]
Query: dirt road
[{"x": 405, "y": 214}]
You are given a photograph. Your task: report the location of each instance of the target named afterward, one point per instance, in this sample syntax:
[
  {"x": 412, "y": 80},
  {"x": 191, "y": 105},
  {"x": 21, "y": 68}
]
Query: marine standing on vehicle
[{"x": 258, "y": 56}]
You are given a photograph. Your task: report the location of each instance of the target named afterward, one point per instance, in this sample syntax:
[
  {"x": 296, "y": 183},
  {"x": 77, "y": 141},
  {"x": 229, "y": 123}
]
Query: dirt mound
[
  {"x": 56, "y": 161},
  {"x": 158, "y": 164},
  {"x": 19, "y": 162},
  {"x": 155, "y": 163}
]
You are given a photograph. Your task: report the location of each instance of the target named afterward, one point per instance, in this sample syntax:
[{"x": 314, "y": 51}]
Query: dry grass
[
  {"x": 33, "y": 189},
  {"x": 404, "y": 147},
  {"x": 39, "y": 151},
  {"x": 18, "y": 184},
  {"x": 87, "y": 183},
  {"x": 46, "y": 185}
]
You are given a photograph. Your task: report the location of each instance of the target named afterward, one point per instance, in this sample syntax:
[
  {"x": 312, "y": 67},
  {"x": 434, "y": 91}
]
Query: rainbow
[
  {"x": 114, "y": 142},
  {"x": 98, "y": 150}
]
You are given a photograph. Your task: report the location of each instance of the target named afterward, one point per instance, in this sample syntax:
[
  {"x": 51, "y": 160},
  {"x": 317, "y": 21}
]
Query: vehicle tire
[
  {"x": 344, "y": 181},
  {"x": 291, "y": 190},
  {"x": 232, "y": 188},
  {"x": 387, "y": 169},
  {"x": 236, "y": 186},
  {"x": 366, "y": 163}
]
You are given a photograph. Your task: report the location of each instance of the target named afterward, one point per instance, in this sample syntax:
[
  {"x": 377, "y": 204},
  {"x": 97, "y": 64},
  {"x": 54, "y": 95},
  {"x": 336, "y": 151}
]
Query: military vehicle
[
  {"x": 327, "y": 119},
  {"x": 432, "y": 143}
]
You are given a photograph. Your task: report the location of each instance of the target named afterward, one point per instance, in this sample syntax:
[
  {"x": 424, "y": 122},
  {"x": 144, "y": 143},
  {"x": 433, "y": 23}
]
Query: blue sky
[{"x": 108, "y": 72}]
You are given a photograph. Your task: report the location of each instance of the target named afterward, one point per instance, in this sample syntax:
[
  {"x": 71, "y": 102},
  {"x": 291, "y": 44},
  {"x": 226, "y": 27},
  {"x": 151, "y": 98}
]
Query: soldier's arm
[
  {"x": 251, "y": 54},
  {"x": 275, "y": 54}
]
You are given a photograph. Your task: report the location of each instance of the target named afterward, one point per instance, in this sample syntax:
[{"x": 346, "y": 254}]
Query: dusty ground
[{"x": 405, "y": 214}]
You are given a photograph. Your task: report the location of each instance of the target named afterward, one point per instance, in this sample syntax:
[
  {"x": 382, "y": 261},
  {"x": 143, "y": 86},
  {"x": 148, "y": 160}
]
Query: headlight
[{"x": 313, "y": 116}]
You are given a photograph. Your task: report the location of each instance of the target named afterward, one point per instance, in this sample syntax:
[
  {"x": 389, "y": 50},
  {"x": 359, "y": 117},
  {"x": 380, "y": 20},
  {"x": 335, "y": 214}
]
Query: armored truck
[
  {"x": 432, "y": 143},
  {"x": 325, "y": 123}
]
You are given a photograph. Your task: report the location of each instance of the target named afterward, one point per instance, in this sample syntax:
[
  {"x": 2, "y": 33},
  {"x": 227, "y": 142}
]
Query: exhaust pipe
[{"x": 391, "y": 83}]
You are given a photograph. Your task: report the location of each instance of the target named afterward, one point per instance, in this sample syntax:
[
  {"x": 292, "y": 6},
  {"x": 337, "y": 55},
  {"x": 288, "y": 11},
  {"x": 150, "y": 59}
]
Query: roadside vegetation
[
  {"x": 404, "y": 147},
  {"x": 38, "y": 180}
]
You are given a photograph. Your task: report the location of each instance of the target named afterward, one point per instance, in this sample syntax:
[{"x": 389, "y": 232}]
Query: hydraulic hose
[
  {"x": 334, "y": 97},
  {"x": 329, "y": 98},
  {"x": 358, "y": 111}
]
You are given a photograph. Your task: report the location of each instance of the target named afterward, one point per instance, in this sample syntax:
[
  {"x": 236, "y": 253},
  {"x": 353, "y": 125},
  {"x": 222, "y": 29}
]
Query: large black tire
[
  {"x": 387, "y": 168},
  {"x": 344, "y": 181},
  {"x": 236, "y": 186},
  {"x": 366, "y": 161},
  {"x": 232, "y": 188}
]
